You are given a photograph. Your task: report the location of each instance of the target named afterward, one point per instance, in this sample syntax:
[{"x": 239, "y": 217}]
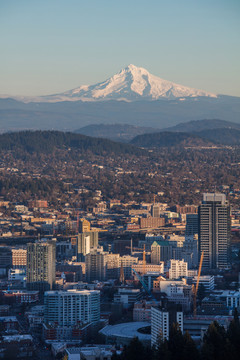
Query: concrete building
[
  {"x": 155, "y": 211},
  {"x": 151, "y": 222},
  {"x": 149, "y": 278},
  {"x": 162, "y": 284},
  {"x": 180, "y": 294},
  {"x": 190, "y": 251},
  {"x": 233, "y": 299},
  {"x": 38, "y": 204},
  {"x": 127, "y": 262},
  {"x": 186, "y": 209},
  {"x": 142, "y": 310},
  {"x": 162, "y": 320},
  {"x": 140, "y": 268},
  {"x": 206, "y": 280},
  {"x": 127, "y": 296},
  {"x": 191, "y": 224},
  {"x": 17, "y": 275},
  {"x": 214, "y": 231},
  {"x": 160, "y": 251},
  {"x": 23, "y": 345},
  {"x": 84, "y": 226},
  {"x": 41, "y": 258},
  {"x": 90, "y": 352},
  {"x": 19, "y": 258},
  {"x": 176, "y": 240},
  {"x": 67, "y": 308},
  {"x": 113, "y": 266},
  {"x": 96, "y": 265},
  {"x": 21, "y": 296},
  {"x": 5, "y": 256},
  {"x": 178, "y": 269},
  {"x": 86, "y": 241},
  {"x": 122, "y": 246}
]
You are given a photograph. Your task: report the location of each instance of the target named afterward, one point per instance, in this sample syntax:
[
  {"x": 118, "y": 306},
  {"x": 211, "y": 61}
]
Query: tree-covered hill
[
  {"x": 222, "y": 136},
  {"x": 47, "y": 141},
  {"x": 200, "y": 125},
  {"x": 208, "y": 137},
  {"x": 169, "y": 139}
]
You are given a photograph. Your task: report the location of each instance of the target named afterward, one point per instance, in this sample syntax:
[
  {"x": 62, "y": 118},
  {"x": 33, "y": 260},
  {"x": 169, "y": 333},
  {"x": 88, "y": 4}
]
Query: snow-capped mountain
[{"x": 131, "y": 83}]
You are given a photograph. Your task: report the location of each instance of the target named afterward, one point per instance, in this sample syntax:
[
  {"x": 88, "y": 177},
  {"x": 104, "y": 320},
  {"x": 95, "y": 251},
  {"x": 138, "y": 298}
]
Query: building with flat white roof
[
  {"x": 206, "y": 280},
  {"x": 90, "y": 352},
  {"x": 122, "y": 334}
]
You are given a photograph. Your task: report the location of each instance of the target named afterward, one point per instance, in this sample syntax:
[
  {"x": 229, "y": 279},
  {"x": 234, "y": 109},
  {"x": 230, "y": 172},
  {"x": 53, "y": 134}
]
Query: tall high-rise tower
[
  {"x": 214, "y": 231},
  {"x": 41, "y": 265},
  {"x": 87, "y": 239}
]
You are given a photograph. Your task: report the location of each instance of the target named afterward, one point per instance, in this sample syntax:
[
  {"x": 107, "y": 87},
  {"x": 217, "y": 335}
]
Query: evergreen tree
[
  {"x": 233, "y": 335},
  {"x": 161, "y": 350},
  {"x": 190, "y": 349},
  {"x": 214, "y": 343},
  {"x": 134, "y": 351},
  {"x": 176, "y": 343}
]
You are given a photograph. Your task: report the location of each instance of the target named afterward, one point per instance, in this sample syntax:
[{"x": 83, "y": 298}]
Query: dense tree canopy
[{"x": 218, "y": 344}]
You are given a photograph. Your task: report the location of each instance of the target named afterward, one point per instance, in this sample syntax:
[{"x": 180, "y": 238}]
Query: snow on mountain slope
[{"x": 130, "y": 84}]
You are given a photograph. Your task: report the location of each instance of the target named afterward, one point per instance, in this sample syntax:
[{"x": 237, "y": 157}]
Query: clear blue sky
[{"x": 49, "y": 46}]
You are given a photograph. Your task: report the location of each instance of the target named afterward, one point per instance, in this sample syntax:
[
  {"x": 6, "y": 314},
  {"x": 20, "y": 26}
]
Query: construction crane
[
  {"x": 196, "y": 287},
  {"x": 144, "y": 286}
]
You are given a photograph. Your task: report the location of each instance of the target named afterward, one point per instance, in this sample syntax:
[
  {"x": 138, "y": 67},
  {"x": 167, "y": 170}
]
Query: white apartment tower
[
  {"x": 161, "y": 322},
  {"x": 67, "y": 308}
]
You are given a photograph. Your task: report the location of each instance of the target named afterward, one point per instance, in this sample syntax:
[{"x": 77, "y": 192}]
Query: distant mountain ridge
[
  {"x": 69, "y": 116},
  {"x": 125, "y": 132},
  {"x": 207, "y": 137},
  {"x": 200, "y": 125},
  {"x": 115, "y": 132}
]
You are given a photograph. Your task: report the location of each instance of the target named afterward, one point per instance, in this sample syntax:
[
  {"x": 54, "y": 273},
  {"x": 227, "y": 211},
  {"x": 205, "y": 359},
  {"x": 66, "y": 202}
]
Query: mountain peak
[
  {"x": 134, "y": 68},
  {"x": 134, "y": 83},
  {"x": 131, "y": 83}
]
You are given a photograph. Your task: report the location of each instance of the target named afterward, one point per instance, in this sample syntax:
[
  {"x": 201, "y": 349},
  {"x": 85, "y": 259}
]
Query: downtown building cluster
[{"x": 92, "y": 282}]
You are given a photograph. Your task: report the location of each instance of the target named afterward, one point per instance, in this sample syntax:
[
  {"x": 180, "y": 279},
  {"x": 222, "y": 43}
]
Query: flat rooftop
[{"x": 127, "y": 330}]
